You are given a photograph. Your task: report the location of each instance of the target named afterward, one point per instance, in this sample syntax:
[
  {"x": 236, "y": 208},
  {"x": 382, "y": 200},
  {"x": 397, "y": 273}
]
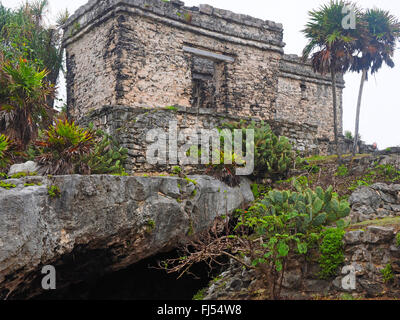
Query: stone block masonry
[
  {"x": 151, "y": 54},
  {"x": 130, "y": 126},
  {"x": 306, "y": 97},
  {"x": 366, "y": 252}
]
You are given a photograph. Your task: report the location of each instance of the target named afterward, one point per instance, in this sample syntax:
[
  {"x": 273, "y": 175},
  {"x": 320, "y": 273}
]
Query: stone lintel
[{"x": 208, "y": 54}]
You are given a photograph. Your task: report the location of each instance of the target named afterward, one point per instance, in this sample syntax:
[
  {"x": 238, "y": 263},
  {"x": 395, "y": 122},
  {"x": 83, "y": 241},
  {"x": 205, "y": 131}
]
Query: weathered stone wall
[
  {"x": 375, "y": 202},
  {"x": 306, "y": 97},
  {"x": 91, "y": 69},
  {"x": 367, "y": 253},
  {"x": 150, "y": 67},
  {"x": 105, "y": 223},
  {"x": 152, "y": 54},
  {"x": 131, "y": 125}
]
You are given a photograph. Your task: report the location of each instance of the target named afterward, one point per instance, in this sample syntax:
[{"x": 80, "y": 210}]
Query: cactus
[
  {"x": 107, "y": 157},
  {"x": 313, "y": 209},
  {"x": 273, "y": 156}
]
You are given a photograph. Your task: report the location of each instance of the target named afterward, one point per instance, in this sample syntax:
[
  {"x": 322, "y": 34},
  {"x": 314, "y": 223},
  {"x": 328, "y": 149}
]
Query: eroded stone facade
[
  {"x": 129, "y": 125},
  {"x": 149, "y": 54},
  {"x": 306, "y": 97}
]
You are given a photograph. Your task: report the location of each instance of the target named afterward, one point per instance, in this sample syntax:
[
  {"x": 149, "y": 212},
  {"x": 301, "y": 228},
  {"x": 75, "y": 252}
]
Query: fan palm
[
  {"x": 330, "y": 46},
  {"x": 376, "y": 43}
]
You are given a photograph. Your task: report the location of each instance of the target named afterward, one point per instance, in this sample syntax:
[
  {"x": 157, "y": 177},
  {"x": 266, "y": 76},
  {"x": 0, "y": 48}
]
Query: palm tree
[
  {"x": 330, "y": 46},
  {"x": 376, "y": 43}
]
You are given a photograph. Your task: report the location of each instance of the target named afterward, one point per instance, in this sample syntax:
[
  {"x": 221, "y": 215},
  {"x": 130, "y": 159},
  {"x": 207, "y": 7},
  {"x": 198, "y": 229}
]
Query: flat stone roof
[{"x": 174, "y": 12}]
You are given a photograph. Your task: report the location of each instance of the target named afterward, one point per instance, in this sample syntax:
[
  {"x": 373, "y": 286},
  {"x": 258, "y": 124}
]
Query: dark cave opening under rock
[{"x": 141, "y": 281}]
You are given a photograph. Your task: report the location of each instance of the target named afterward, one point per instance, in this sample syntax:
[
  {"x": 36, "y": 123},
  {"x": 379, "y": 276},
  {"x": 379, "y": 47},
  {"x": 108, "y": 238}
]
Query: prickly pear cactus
[
  {"x": 273, "y": 156},
  {"x": 312, "y": 208}
]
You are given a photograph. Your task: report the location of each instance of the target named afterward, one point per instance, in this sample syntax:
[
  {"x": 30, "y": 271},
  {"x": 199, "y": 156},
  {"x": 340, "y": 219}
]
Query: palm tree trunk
[
  {"x": 356, "y": 132},
  {"x": 335, "y": 125}
]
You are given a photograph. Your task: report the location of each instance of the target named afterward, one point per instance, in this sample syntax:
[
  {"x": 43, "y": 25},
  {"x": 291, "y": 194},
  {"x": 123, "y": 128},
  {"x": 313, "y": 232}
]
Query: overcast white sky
[{"x": 380, "y": 114}]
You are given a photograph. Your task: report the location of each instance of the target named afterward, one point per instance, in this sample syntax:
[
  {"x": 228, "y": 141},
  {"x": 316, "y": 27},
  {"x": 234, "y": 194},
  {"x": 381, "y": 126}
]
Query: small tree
[
  {"x": 376, "y": 43},
  {"x": 330, "y": 46},
  {"x": 23, "y": 34},
  {"x": 23, "y": 100}
]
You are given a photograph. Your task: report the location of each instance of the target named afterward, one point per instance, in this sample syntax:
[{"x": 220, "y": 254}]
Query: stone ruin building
[{"x": 128, "y": 60}]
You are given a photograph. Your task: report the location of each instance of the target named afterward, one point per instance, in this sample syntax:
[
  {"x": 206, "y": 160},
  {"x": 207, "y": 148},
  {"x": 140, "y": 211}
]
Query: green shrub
[
  {"x": 288, "y": 220},
  {"x": 4, "y": 146},
  {"x": 342, "y": 171},
  {"x": 331, "y": 252},
  {"x": 200, "y": 294},
  {"x": 349, "y": 135},
  {"x": 307, "y": 208},
  {"x": 23, "y": 99},
  {"x": 171, "y": 108},
  {"x": 398, "y": 239},
  {"x": 3, "y": 176},
  {"x": 176, "y": 170},
  {"x": 312, "y": 168},
  {"x": 54, "y": 191},
  {"x": 387, "y": 273},
  {"x": 107, "y": 156},
  {"x": 62, "y": 148},
  {"x": 287, "y": 224},
  {"x": 273, "y": 156},
  {"x": 7, "y": 186}
]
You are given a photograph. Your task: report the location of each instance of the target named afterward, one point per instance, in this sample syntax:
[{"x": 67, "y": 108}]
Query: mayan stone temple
[{"x": 138, "y": 64}]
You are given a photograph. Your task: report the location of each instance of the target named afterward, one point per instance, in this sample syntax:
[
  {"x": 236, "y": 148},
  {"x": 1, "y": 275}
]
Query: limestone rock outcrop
[
  {"x": 377, "y": 201},
  {"x": 100, "y": 223}
]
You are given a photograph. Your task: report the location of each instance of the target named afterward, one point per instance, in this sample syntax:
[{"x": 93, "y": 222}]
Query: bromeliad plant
[
  {"x": 4, "y": 145},
  {"x": 66, "y": 148},
  {"x": 23, "y": 100},
  {"x": 63, "y": 146},
  {"x": 107, "y": 156}
]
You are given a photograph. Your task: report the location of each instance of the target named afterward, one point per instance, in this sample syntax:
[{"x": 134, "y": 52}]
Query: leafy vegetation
[
  {"x": 54, "y": 191},
  {"x": 348, "y": 135},
  {"x": 200, "y": 294},
  {"x": 176, "y": 170},
  {"x": 23, "y": 100},
  {"x": 330, "y": 46},
  {"x": 387, "y": 273},
  {"x": 22, "y": 175},
  {"x": 24, "y": 34},
  {"x": 385, "y": 173},
  {"x": 273, "y": 156},
  {"x": 280, "y": 226},
  {"x": 398, "y": 239},
  {"x": 66, "y": 148},
  {"x": 30, "y": 62},
  {"x": 107, "y": 156},
  {"x": 7, "y": 186},
  {"x": 331, "y": 252},
  {"x": 4, "y": 146},
  {"x": 342, "y": 171},
  {"x": 63, "y": 146}
]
